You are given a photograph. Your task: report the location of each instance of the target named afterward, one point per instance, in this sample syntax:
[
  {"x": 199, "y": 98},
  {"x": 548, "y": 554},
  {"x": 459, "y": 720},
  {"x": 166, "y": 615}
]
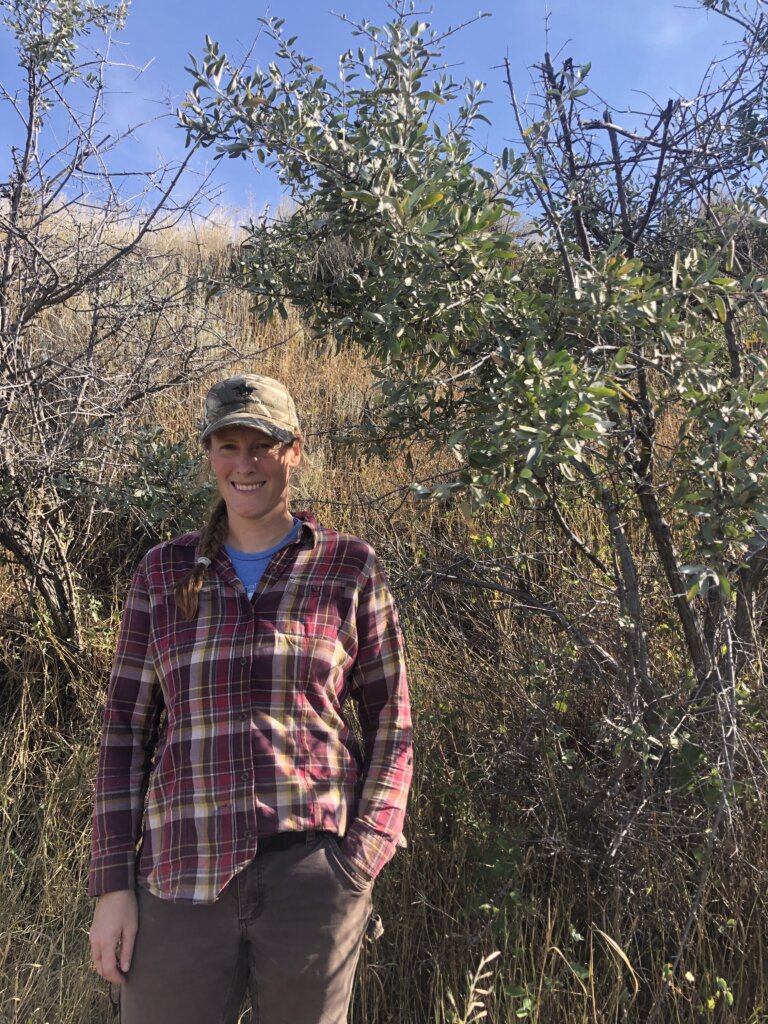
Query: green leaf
[
  {"x": 367, "y": 198},
  {"x": 430, "y": 96},
  {"x": 414, "y": 197}
]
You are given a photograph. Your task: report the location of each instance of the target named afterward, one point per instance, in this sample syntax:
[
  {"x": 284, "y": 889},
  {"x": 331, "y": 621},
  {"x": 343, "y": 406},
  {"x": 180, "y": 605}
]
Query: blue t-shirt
[{"x": 250, "y": 568}]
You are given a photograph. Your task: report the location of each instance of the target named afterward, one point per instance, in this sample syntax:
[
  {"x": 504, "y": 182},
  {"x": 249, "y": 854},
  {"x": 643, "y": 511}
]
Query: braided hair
[{"x": 211, "y": 540}]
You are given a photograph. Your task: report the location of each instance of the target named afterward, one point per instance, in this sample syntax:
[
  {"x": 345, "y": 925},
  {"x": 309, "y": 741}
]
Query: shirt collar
[
  {"x": 307, "y": 535},
  {"x": 308, "y": 531}
]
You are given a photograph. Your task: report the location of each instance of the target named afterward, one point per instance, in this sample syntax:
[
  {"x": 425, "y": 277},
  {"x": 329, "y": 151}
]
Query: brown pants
[{"x": 289, "y": 927}]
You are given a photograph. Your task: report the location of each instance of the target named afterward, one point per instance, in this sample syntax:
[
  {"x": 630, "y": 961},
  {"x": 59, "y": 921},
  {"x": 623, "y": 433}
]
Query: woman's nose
[{"x": 248, "y": 459}]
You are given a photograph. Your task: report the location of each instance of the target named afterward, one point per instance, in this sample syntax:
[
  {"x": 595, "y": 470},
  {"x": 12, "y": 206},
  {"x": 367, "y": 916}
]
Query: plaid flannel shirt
[{"x": 233, "y": 726}]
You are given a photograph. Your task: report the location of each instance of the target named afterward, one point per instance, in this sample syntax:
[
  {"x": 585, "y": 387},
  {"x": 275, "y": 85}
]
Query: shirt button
[
  {"x": 245, "y": 776},
  {"x": 243, "y": 661},
  {"x": 249, "y": 834},
  {"x": 243, "y": 716}
]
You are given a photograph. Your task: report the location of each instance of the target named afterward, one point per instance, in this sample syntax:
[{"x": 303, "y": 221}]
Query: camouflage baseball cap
[{"x": 251, "y": 401}]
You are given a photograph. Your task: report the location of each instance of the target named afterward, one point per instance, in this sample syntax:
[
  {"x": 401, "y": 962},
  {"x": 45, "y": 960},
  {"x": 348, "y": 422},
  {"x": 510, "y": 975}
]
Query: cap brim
[{"x": 246, "y": 420}]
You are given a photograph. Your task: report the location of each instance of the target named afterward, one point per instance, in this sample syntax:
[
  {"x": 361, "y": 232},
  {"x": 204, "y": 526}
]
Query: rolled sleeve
[
  {"x": 379, "y": 685},
  {"x": 131, "y": 716}
]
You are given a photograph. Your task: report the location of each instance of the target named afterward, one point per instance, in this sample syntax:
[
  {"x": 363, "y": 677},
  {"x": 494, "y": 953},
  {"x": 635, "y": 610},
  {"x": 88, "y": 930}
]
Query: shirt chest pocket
[
  {"x": 314, "y": 610},
  {"x": 174, "y": 631}
]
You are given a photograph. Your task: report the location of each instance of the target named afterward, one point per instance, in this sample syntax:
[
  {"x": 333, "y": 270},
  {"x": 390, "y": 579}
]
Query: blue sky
[{"x": 636, "y": 47}]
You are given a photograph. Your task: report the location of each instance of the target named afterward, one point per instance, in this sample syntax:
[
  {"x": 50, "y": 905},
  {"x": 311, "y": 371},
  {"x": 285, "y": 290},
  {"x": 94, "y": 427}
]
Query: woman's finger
[
  {"x": 126, "y": 948},
  {"x": 104, "y": 956}
]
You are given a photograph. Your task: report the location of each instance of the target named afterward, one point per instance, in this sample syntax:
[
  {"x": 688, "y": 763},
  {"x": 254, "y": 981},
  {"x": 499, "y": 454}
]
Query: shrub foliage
[{"x": 559, "y": 352}]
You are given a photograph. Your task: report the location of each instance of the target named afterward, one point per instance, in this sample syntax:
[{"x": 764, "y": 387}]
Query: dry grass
[{"x": 508, "y": 754}]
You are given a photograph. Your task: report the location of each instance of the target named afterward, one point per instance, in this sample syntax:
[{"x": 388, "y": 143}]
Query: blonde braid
[{"x": 211, "y": 540}]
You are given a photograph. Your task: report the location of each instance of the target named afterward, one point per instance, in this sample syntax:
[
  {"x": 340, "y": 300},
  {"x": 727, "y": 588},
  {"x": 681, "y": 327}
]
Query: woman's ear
[{"x": 294, "y": 455}]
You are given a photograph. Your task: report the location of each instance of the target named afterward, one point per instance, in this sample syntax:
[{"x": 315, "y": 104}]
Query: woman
[{"x": 226, "y": 754}]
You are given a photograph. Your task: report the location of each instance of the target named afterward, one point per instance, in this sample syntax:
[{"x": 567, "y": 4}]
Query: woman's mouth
[{"x": 245, "y": 488}]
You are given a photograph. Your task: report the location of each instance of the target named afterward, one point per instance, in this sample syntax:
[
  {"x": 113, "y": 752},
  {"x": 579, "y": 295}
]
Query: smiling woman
[
  {"x": 264, "y": 823},
  {"x": 252, "y": 470}
]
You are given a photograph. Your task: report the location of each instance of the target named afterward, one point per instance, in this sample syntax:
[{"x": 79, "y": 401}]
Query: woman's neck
[{"x": 253, "y": 535}]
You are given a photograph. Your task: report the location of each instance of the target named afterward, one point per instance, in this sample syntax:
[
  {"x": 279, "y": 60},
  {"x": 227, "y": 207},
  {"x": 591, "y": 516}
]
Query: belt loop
[{"x": 311, "y": 835}]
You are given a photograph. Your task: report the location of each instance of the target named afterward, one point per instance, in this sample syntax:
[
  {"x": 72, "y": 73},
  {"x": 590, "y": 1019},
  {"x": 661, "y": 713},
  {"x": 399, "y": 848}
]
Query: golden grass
[{"x": 508, "y": 721}]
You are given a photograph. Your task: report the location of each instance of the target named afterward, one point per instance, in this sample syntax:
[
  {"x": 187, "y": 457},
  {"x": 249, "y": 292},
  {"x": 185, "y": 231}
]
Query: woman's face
[{"x": 252, "y": 471}]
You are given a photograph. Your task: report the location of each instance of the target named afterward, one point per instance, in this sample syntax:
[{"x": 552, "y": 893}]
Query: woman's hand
[{"x": 112, "y": 934}]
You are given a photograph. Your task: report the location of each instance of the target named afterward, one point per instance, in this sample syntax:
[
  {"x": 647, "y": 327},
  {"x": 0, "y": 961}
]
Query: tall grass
[{"x": 585, "y": 908}]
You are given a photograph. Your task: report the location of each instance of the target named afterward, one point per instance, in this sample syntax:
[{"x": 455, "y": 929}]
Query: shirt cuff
[
  {"x": 112, "y": 873},
  {"x": 367, "y": 849}
]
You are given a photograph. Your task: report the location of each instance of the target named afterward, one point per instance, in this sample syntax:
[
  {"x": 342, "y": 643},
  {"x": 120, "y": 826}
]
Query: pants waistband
[{"x": 282, "y": 840}]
